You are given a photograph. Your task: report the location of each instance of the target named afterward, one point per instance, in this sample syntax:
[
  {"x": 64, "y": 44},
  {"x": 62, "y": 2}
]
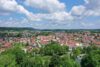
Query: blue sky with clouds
[{"x": 50, "y": 14}]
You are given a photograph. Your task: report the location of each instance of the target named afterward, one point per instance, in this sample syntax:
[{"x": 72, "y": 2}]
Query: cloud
[
  {"x": 56, "y": 10},
  {"x": 93, "y": 6},
  {"x": 90, "y": 8},
  {"x": 78, "y": 10},
  {"x": 14, "y": 22},
  {"x": 55, "y": 17},
  {"x": 87, "y": 24},
  {"x": 9, "y": 6},
  {"x": 61, "y": 16},
  {"x": 48, "y": 5}
]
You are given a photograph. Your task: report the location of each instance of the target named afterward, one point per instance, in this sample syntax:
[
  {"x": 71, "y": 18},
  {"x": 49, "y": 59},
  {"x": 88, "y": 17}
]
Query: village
[{"x": 77, "y": 39}]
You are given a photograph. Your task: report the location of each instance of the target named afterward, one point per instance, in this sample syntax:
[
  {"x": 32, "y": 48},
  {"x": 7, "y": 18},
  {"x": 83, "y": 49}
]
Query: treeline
[
  {"x": 47, "y": 30},
  {"x": 15, "y": 28},
  {"x": 50, "y": 55}
]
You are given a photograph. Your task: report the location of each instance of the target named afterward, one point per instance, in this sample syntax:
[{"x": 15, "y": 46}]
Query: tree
[
  {"x": 7, "y": 60},
  {"x": 55, "y": 61},
  {"x": 27, "y": 62},
  {"x": 53, "y": 48},
  {"x": 36, "y": 61},
  {"x": 18, "y": 53},
  {"x": 77, "y": 51},
  {"x": 62, "y": 61},
  {"x": 67, "y": 61},
  {"x": 92, "y": 58}
]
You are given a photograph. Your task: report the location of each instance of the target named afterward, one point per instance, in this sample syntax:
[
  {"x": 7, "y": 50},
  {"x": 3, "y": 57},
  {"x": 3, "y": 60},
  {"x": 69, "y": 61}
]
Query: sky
[{"x": 50, "y": 14}]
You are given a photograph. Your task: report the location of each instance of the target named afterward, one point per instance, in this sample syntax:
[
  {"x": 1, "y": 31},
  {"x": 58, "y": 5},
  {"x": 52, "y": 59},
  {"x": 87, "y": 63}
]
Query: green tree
[
  {"x": 92, "y": 58},
  {"x": 53, "y": 48},
  {"x": 7, "y": 60},
  {"x": 17, "y": 52},
  {"x": 77, "y": 51},
  {"x": 36, "y": 61},
  {"x": 67, "y": 61},
  {"x": 55, "y": 61}
]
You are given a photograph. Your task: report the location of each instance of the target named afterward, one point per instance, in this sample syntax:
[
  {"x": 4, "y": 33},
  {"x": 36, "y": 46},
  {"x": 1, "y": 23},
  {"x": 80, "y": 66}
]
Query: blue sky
[
  {"x": 50, "y": 14},
  {"x": 71, "y": 3}
]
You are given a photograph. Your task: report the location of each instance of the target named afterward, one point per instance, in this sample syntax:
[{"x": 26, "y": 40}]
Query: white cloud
[
  {"x": 93, "y": 6},
  {"x": 87, "y": 24},
  {"x": 61, "y": 16},
  {"x": 90, "y": 8},
  {"x": 56, "y": 10},
  {"x": 55, "y": 17},
  {"x": 54, "y": 6},
  {"x": 92, "y": 13},
  {"x": 14, "y": 22},
  {"x": 48, "y": 5},
  {"x": 78, "y": 10},
  {"x": 9, "y": 6}
]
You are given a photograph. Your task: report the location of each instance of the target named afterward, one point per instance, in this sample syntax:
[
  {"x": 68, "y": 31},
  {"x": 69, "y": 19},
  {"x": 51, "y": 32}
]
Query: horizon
[
  {"x": 42, "y": 29},
  {"x": 50, "y": 14}
]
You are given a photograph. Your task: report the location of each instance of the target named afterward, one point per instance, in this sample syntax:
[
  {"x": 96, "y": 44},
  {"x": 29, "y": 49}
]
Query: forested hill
[
  {"x": 53, "y": 30},
  {"x": 15, "y": 28}
]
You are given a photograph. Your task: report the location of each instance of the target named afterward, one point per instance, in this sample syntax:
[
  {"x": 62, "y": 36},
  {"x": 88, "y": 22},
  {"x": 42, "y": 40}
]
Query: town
[{"x": 39, "y": 38}]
